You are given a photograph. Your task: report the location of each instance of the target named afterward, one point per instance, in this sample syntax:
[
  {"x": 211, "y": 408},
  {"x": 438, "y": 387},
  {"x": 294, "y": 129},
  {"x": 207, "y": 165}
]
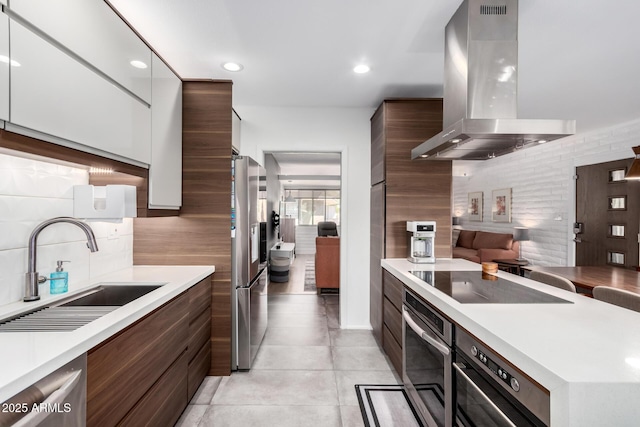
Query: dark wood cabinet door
[{"x": 377, "y": 252}]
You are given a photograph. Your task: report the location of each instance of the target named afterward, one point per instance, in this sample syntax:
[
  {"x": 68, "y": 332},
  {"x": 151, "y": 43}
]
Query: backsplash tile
[{"x": 32, "y": 191}]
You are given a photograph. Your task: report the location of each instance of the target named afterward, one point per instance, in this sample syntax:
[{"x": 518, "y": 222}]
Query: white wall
[
  {"x": 543, "y": 188},
  {"x": 32, "y": 191},
  {"x": 343, "y": 130}
]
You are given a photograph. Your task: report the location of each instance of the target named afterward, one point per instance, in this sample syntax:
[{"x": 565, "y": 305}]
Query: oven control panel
[{"x": 498, "y": 370}]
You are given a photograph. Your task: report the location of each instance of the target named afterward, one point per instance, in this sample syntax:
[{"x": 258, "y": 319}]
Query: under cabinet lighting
[{"x": 100, "y": 171}]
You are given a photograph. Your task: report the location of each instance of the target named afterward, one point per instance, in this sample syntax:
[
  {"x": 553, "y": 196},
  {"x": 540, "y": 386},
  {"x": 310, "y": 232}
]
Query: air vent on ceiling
[{"x": 493, "y": 10}]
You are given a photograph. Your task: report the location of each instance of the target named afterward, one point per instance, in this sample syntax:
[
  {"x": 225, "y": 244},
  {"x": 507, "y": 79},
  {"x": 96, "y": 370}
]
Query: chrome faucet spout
[{"x": 32, "y": 278}]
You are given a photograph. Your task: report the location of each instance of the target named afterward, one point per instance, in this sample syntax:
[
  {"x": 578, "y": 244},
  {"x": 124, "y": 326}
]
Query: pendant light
[
  {"x": 289, "y": 198},
  {"x": 634, "y": 170}
]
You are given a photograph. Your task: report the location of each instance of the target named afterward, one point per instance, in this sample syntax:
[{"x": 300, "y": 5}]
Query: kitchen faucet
[{"x": 32, "y": 278}]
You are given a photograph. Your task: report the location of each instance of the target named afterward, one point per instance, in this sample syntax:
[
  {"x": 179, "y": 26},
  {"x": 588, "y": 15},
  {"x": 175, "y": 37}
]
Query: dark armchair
[{"x": 327, "y": 228}]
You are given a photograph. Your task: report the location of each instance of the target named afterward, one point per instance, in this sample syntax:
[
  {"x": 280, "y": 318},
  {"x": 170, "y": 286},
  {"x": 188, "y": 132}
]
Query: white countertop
[
  {"x": 587, "y": 354},
  {"x": 27, "y": 357}
]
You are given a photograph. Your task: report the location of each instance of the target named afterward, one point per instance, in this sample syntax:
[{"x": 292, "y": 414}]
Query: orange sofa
[
  {"x": 327, "y": 262},
  {"x": 482, "y": 246}
]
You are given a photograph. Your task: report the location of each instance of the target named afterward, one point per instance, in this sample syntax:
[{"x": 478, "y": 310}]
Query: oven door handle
[
  {"x": 460, "y": 371},
  {"x": 424, "y": 334}
]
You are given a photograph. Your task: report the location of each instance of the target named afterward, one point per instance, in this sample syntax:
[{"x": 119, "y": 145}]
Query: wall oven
[
  {"x": 427, "y": 355},
  {"x": 489, "y": 392}
]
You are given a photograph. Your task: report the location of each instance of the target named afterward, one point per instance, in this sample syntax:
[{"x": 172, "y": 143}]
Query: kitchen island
[
  {"x": 27, "y": 357},
  {"x": 586, "y": 353}
]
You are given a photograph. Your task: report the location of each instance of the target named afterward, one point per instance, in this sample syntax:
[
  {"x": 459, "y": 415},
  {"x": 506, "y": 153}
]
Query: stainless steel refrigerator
[{"x": 248, "y": 273}]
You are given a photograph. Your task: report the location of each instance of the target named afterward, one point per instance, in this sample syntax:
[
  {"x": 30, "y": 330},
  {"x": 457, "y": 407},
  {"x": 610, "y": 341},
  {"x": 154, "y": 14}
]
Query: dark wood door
[{"x": 608, "y": 206}]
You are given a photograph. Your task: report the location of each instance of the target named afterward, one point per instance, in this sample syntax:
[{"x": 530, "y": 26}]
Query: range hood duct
[{"x": 480, "y": 88}]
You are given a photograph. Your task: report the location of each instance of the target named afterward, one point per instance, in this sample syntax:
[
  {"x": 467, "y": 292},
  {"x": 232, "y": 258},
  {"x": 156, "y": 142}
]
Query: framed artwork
[
  {"x": 475, "y": 206},
  {"x": 501, "y": 209}
]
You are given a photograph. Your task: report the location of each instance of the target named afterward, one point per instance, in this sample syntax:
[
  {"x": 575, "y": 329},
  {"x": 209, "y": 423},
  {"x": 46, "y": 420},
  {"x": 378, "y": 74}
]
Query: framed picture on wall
[
  {"x": 501, "y": 208},
  {"x": 475, "y": 206}
]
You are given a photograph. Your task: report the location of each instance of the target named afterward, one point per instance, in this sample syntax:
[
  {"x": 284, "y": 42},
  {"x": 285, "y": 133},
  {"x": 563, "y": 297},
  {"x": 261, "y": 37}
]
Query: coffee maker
[{"x": 421, "y": 241}]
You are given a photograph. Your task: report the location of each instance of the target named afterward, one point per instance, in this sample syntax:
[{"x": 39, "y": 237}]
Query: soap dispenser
[{"x": 59, "y": 280}]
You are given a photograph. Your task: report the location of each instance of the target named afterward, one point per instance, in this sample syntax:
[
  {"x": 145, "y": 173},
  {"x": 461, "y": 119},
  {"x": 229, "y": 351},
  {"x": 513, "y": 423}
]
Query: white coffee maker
[{"x": 421, "y": 241}]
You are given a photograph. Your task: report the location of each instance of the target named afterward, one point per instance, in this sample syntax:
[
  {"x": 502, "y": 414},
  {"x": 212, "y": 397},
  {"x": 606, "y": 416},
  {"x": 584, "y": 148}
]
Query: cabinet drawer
[
  {"x": 393, "y": 320},
  {"x": 393, "y": 289},
  {"x": 199, "y": 333},
  {"x": 199, "y": 298},
  {"x": 122, "y": 369},
  {"x": 163, "y": 404},
  {"x": 393, "y": 350},
  {"x": 198, "y": 369}
]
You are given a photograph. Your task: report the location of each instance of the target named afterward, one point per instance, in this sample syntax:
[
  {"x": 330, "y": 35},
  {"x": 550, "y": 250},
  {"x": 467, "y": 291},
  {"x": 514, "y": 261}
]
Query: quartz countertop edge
[
  {"x": 27, "y": 357},
  {"x": 560, "y": 346}
]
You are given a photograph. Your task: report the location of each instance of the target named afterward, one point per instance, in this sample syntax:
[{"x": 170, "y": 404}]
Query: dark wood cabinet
[
  {"x": 404, "y": 190},
  {"x": 146, "y": 374},
  {"x": 392, "y": 319}
]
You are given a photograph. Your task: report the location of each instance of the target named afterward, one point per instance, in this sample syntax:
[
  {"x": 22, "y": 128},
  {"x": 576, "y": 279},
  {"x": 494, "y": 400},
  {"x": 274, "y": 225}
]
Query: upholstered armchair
[
  {"x": 327, "y": 228},
  {"x": 327, "y": 262}
]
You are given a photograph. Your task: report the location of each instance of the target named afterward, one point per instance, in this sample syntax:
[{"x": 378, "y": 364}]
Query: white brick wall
[
  {"x": 33, "y": 191},
  {"x": 543, "y": 189}
]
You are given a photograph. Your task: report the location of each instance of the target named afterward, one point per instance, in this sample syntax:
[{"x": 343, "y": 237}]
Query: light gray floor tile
[
  {"x": 331, "y": 299},
  {"x": 290, "y": 357},
  {"x": 296, "y": 299},
  {"x": 192, "y": 416},
  {"x": 333, "y": 316},
  {"x": 347, "y": 380},
  {"x": 289, "y": 320},
  {"x": 359, "y": 359},
  {"x": 270, "y": 416},
  {"x": 352, "y": 338},
  {"x": 351, "y": 416},
  {"x": 276, "y": 387},
  {"x": 296, "y": 336},
  {"x": 297, "y": 308},
  {"x": 206, "y": 391}
]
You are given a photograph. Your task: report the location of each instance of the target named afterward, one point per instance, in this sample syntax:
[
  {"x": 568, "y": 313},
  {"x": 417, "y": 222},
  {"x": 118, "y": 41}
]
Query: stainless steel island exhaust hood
[{"x": 480, "y": 88}]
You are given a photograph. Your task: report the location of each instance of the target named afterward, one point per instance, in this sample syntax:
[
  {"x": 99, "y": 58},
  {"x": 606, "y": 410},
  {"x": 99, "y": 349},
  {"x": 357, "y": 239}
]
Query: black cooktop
[{"x": 475, "y": 287}]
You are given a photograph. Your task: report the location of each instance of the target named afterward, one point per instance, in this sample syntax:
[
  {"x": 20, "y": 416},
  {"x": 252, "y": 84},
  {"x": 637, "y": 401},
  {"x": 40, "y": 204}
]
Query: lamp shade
[
  {"x": 520, "y": 234},
  {"x": 634, "y": 170},
  {"x": 455, "y": 220}
]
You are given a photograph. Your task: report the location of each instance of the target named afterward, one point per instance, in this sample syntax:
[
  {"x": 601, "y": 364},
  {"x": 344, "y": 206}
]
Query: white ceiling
[
  {"x": 308, "y": 170},
  {"x": 577, "y": 60}
]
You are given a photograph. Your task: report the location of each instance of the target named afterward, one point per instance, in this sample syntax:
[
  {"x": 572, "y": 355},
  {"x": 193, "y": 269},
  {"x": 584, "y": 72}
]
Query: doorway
[
  {"x": 607, "y": 215},
  {"x": 302, "y": 189}
]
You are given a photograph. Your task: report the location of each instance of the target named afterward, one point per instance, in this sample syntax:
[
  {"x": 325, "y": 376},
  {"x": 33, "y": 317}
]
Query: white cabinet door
[
  {"x": 4, "y": 67},
  {"x": 94, "y": 32},
  {"x": 56, "y": 95},
  {"x": 165, "y": 172}
]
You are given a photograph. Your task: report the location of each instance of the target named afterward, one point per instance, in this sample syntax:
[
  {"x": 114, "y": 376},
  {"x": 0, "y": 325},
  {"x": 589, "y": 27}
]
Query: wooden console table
[{"x": 588, "y": 277}]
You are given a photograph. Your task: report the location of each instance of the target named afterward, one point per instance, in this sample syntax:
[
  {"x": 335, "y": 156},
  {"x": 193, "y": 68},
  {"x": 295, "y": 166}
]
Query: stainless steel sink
[
  {"x": 71, "y": 313},
  {"x": 109, "y": 295}
]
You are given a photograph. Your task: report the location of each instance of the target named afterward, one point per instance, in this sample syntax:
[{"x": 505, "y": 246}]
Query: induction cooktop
[{"x": 476, "y": 287}]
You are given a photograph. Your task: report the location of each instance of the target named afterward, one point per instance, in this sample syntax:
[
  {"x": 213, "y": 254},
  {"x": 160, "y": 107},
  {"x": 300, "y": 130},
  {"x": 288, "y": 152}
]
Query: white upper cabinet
[
  {"x": 4, "y": 67},
  {"x": 165, "y": 172},
  {"x": 95, "y": 33},
  {"x": 54, "y": 94}
]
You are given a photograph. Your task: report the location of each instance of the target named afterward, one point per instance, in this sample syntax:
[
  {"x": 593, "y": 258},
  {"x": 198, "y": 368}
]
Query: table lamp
[{"x": 520, "y": 234}]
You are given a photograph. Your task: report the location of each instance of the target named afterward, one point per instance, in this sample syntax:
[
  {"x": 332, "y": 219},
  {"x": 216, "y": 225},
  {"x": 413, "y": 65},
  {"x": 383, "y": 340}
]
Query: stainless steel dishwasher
[{"x": 59, "y": 399}]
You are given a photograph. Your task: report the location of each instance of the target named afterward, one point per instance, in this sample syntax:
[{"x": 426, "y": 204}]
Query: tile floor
[{"x": 304, "y": 373}]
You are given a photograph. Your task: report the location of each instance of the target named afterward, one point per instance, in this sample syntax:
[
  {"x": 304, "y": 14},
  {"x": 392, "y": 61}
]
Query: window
[
  {"x": 618, "y": 203},
  {"x": 616, "y": 258},
  {"x": 314, "y": 206},
  {"x": 617, "y": 175},
  {"x": 616, "y": 230}
]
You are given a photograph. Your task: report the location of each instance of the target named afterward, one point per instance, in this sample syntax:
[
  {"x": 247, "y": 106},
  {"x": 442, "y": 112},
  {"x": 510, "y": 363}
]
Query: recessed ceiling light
[
  {"x": 232, "y": 66},
  {"x": 361, "y": 69},
  {"x": 424, "y": 156},
  {"x": 456, "y": 140},
  {"x": 542, "y": 141},
  {"x": 138, "y": 64}
]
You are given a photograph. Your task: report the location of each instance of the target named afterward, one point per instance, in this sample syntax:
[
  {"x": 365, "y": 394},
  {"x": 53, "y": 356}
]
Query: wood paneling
[
  {"x": 198, "y": 369},
  {"x": 122, "y": 369},
  {"x": 404, "y": 190},
  {"x": 393, "y": 289},
  {"x": 393, "y": 350},
  {"x": 376, "y": 254},
  {"x": 199, "y": 299},
  {"x": 200, "y": 235},
  {"x": 165, "y": 401},
  {"x": 199, "y": 333}
]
